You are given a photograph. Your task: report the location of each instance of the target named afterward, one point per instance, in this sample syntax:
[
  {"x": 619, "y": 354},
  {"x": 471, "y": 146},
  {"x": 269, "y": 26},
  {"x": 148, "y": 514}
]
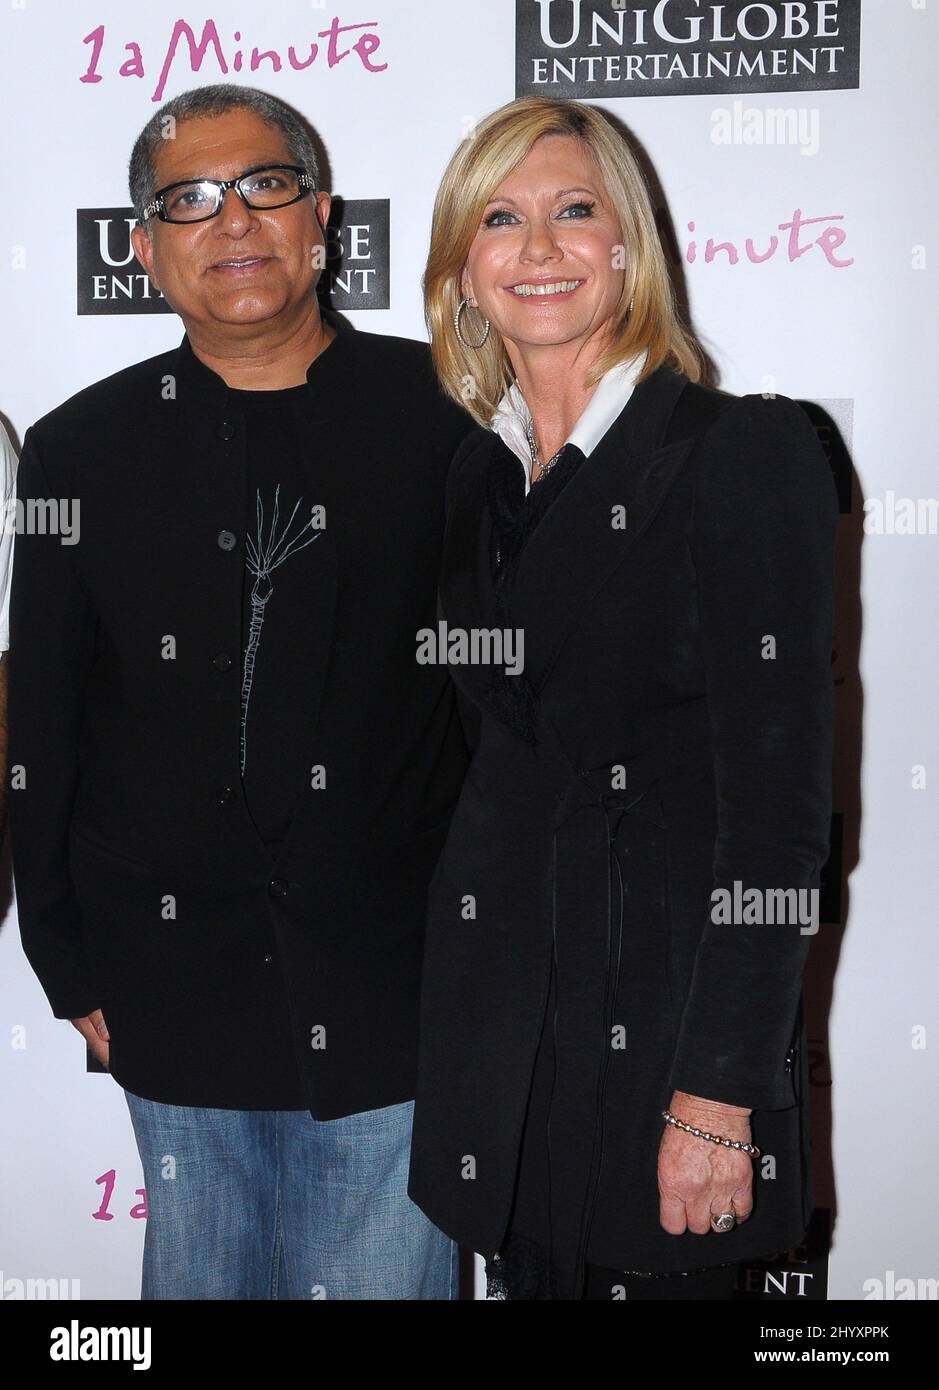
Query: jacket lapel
[
  {"x": 595, "y": 523},
  {"x": 576, "y": 547}
]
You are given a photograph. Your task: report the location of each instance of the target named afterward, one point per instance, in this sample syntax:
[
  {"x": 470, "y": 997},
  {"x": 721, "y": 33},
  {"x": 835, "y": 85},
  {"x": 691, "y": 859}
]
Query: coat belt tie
[{"x": 590, "y": 914}]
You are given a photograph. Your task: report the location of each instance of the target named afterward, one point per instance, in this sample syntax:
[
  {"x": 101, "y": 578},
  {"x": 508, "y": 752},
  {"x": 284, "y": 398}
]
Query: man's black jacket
[{"x": 143, "y": 887}]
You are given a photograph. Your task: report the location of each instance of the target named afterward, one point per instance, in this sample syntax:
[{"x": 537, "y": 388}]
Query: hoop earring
[{"x": 456, "y": 325}]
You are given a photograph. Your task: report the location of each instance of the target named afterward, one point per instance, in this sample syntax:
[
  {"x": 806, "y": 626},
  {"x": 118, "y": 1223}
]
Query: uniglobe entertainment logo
[
  {"x": 356, "y": 274},
  {"x": 111, "y": 280},
  {"x": 358, "y": 254},
  {"x": 611, "y": 48}
]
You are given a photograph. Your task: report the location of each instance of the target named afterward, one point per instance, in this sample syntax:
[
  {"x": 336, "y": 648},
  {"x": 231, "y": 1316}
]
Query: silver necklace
[{"x": 533, "y": 448}]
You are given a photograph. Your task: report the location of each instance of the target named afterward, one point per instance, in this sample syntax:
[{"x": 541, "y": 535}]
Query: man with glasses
[{"x": 235, "y": 778}]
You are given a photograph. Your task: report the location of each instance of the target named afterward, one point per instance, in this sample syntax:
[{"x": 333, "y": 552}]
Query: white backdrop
[{"x": 849, "y": 325}]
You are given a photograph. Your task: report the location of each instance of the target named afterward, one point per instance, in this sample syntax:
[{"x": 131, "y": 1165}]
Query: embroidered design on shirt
[{"x": 262, "y": 557}]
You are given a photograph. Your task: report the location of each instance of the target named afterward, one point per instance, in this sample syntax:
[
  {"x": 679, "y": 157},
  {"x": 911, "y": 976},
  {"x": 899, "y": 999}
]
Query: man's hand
[
  {"x": 698, "y": 1178},
  {"x": 95, "y": 1032}
]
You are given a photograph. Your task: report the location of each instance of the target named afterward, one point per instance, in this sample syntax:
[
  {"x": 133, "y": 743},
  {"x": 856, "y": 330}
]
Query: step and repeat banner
[{"x": 790, "y": 147}]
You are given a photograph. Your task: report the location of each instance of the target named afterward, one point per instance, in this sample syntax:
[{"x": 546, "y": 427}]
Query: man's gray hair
[{"x": 215, "y": 100}]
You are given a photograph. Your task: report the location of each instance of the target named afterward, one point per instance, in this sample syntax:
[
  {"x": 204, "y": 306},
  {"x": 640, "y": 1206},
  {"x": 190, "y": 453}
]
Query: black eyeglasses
[{"x": 196, "y": 200}]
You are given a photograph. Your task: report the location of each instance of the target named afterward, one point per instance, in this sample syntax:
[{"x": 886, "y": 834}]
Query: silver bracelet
[{"x": 750, "y": 1149}]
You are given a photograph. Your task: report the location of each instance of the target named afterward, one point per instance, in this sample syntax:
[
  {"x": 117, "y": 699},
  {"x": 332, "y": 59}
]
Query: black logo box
[
  {"x": 356, "y": 275},
  {"x": 555, "y": 39}
]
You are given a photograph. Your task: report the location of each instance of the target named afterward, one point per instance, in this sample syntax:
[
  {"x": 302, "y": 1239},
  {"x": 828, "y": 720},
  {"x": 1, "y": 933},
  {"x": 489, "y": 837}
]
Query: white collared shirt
[{"x": 613, "y": 390}]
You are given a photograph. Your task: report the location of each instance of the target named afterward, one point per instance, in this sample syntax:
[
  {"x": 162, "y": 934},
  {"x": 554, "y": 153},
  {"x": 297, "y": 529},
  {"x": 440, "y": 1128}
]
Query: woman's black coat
[{"x": 670, "y": 735}]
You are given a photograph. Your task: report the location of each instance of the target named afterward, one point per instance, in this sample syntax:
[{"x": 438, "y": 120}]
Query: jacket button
[
  {"x": 277, "y": 888},
  {"x": 222, "y": 662},
  {"x": 227, "y": 540},
  {"x": 226, "y": 430},
  {"x": 226, "y": 795},
  {"x": 268, "y": 960}
]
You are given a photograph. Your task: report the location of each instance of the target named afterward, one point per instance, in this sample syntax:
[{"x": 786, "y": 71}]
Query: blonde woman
[{"x": 608, "y": 1042}]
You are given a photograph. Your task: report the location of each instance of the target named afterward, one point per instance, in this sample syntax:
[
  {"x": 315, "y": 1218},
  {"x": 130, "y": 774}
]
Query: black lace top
[{"x": 514, "y": 520}]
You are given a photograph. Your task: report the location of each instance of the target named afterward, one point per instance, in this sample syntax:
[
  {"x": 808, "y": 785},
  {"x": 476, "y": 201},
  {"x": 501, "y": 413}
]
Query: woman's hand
[{"x": 698, "y": 1179}]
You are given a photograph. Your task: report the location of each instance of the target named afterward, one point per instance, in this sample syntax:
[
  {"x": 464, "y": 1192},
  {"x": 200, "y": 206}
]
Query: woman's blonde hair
[{"x": 478, "y": 377}]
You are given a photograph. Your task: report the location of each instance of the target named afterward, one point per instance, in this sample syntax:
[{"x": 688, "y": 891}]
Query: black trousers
[{"x": 613, "y": 1284}]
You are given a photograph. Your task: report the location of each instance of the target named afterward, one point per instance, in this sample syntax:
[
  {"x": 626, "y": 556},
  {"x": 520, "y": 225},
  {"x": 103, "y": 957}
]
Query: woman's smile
[{"x": 544, "y": 289}]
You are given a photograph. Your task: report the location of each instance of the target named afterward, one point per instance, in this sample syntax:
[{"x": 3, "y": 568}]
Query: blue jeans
[{"x": 258, "y": 1204}]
